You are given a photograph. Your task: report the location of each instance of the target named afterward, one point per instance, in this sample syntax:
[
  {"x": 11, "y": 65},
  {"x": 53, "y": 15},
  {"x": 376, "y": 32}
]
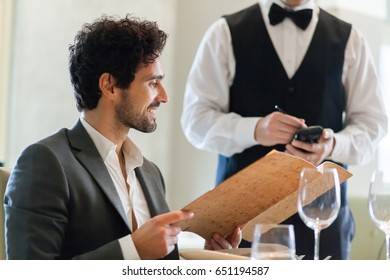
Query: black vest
[{"x": 315, "y": 92}]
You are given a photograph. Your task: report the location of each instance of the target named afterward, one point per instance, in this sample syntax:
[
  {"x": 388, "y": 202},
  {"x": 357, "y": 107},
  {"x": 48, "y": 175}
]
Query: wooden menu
[{"x": 264, "y": 192}]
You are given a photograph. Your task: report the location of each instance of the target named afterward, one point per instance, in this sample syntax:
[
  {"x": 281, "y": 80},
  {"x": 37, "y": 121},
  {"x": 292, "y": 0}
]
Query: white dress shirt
[
  {"x": 133, "y": 200},
  {"x": 208, "y": 124}
]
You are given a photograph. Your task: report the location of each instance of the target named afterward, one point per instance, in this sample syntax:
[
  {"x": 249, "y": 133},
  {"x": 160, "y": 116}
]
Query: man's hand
[
  {"x": 277, "y": 128},
  {"x": 157, "y": 237},
  {"x": 316, "y": 152},
  {"x": 218, "y": 242}
]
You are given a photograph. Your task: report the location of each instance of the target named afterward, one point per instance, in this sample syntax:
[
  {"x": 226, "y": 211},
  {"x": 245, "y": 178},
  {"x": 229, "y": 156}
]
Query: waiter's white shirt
[
  {"x": 206, "y": 120},
  {"x": 135, "y": 200}
]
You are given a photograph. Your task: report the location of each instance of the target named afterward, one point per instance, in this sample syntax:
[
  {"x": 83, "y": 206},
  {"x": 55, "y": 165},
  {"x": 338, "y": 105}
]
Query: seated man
[{"x": 87, "y": 192}]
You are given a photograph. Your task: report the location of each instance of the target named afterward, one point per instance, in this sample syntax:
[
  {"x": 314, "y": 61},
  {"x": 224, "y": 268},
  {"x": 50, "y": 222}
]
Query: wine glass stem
[
  {"x": 317, "y": 244},
  {"x": 388, "y": 246}
]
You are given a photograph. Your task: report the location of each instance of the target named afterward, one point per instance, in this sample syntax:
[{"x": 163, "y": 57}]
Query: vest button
[{"x": 291, "y": 89}]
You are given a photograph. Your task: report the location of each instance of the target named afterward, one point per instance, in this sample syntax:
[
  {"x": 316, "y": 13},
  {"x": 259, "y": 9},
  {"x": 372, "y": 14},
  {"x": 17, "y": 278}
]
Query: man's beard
[{"x": 128, "y": 116}]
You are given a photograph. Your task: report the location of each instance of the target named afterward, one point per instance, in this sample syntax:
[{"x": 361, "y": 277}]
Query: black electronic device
[{"x": 309, "y": 134}]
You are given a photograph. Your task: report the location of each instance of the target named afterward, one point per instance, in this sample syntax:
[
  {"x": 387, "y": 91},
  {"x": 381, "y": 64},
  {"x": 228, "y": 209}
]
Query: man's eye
[{"x": 154, "y": 84}]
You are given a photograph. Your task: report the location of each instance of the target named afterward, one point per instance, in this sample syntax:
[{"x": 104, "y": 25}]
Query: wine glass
[
  {"x": 379, "y": 205},
  {"x": 318, "y": 200},
  {"x": 273, "y": 242}
]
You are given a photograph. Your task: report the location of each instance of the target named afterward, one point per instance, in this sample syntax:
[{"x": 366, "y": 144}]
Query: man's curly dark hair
[{"x": 115, "y": 46}]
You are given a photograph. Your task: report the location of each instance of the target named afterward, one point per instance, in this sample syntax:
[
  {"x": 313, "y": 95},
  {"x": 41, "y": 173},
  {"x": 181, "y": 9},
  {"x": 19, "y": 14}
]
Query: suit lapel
[
  {"x": 153, "y": 189},
  {"x": 89, "y": 157}
]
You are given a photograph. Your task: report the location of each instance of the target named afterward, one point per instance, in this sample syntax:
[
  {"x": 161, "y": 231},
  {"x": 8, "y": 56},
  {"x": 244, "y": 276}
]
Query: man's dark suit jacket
[{"x": 60, "y": 201}]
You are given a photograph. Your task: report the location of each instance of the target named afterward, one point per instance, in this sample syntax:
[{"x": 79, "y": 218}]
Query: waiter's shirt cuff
[{"x": 245, "y": 132}]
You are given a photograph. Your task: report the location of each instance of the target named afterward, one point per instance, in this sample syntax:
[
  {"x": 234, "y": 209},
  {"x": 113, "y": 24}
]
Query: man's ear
[{"x": 107, "y": 85}]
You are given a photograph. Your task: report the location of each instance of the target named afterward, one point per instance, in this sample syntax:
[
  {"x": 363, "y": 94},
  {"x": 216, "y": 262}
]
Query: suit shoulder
[
  {"x": 55, "y": 138},
  {"x": 47, "y": 145}
]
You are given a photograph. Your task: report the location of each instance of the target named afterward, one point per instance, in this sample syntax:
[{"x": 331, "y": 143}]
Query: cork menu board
[{"x": 264, "y": 192}]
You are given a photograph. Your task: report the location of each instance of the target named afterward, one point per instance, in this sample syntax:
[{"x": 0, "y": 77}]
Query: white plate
[
  {"x": 243, "y": 252},
  {"x": 228, "y": 254}
]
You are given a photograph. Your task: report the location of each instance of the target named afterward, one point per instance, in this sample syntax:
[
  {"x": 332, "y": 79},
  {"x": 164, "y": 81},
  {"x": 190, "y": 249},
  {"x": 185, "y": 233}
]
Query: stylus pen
[{"x": 280, "y": 109}]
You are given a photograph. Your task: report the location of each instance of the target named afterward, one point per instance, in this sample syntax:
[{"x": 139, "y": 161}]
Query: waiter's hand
[
  {"x": 157, "y": 237},
  {"x": 277, "y": 128},
  {"x": 218, "y": 242},
  {"x": 316, "y": 152}
]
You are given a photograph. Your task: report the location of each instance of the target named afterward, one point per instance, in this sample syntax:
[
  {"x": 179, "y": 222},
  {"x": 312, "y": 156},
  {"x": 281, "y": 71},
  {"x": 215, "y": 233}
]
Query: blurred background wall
[{"x": 36, "y": 95}]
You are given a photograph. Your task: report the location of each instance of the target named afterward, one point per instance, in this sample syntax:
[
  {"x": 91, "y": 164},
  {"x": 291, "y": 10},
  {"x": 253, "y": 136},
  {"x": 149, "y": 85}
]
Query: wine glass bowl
[
  {"x": 379, "y": 205},
  {"x": 318, "y": 200}
]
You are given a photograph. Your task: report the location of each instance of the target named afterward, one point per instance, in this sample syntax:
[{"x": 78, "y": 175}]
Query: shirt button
[{"x": 291, "y": 89}]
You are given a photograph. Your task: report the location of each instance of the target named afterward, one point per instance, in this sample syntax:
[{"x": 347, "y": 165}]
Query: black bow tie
[{"x": 301, "y": 18}]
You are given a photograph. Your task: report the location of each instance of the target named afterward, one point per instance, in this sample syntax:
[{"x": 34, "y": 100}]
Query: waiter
[{"x": 318, "y": 68}]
